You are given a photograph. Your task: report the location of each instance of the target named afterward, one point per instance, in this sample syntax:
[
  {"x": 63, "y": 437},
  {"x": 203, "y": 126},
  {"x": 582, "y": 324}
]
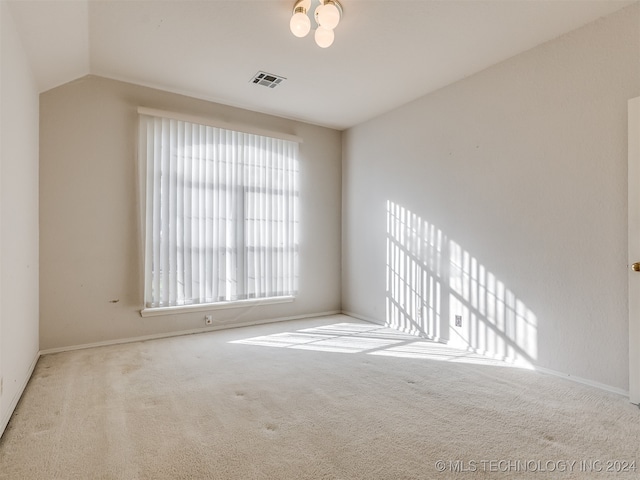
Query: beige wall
[
  {"x": 91, "y": 276},
  {"x": 511, "y": 191},
  {"x": 18, "y": 217}
]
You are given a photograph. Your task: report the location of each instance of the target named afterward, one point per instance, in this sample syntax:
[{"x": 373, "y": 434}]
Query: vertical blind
[{"x": 221, "y": 211}]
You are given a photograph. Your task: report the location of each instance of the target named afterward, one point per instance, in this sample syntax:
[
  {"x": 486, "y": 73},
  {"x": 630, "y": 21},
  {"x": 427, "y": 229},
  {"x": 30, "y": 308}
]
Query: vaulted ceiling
[{"x": 386, "y": 53}]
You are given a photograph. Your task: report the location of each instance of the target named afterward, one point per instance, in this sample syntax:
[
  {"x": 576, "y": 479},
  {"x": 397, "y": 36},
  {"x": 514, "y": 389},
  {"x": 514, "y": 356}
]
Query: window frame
[{"x": 240, "y": 211}]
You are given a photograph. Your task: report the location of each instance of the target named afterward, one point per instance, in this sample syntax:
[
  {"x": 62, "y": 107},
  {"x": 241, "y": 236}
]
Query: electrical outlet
[
  {"x": 458, "y": 320},
  {"x": 208, "y": 319}
]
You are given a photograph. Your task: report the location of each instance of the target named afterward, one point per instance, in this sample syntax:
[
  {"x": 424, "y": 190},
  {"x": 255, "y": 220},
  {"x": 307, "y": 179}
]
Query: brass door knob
[{"x": 636, "y": 267}]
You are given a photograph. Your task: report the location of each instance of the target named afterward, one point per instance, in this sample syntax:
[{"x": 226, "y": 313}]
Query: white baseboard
[
  {"x": 14, "y": 402},
  {"x": 180, "y": 333},
  {"x": 16, "y": 398},
  {"x": 584, "y": 381},
  {"x": 5, "y": 421},
  {"x": 362, "y": 317},
  {"x": 574, "y": 378},
  {"x": 384, "y": 324}
]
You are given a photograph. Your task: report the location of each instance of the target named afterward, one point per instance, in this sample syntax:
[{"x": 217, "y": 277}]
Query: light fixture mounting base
[{"x": 306, "y": 4}]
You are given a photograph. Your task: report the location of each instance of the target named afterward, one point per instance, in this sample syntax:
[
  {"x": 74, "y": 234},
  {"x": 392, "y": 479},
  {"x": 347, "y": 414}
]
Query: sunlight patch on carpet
[{"x": 371, "y": 340}]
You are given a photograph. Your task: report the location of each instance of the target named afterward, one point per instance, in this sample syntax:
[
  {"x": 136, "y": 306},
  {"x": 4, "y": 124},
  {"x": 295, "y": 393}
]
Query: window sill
[{"x": 207, "y": 307}]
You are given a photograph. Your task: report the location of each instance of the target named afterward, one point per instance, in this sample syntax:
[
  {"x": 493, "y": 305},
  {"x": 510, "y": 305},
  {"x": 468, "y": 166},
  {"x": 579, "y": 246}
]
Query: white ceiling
[{"x": 386, "y": 53}]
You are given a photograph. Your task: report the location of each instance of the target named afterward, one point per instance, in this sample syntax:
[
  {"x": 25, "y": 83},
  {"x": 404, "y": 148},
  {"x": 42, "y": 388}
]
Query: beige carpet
[{"x": 330, "y": 398}]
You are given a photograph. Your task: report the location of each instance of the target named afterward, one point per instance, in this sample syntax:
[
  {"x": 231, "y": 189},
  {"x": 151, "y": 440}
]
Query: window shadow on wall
[{"x": 437, "y": 289}]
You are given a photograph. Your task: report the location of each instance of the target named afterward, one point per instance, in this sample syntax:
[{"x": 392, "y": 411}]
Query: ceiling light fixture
[{"x": 327, "y": 16}]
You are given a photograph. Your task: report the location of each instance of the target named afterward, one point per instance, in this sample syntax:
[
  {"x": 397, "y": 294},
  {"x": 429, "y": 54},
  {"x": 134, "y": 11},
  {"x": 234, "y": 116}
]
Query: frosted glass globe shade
[
  {"x": 329, "y": 16},
  {"x": 300, "y": 24},
  {"x": 324, "y": 37}
]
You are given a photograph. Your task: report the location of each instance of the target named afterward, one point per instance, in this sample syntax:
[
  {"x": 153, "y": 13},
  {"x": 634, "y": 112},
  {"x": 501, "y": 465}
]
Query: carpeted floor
[{"x": 329, "y": 398}]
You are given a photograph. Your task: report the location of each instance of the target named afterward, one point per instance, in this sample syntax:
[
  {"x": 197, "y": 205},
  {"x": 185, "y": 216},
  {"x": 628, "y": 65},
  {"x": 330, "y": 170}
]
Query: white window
[{"x": 220, "y": 209}]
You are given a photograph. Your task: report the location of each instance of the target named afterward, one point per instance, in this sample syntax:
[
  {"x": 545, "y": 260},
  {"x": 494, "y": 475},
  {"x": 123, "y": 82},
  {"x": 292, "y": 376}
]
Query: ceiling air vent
[{"x": 267, "y": 79}]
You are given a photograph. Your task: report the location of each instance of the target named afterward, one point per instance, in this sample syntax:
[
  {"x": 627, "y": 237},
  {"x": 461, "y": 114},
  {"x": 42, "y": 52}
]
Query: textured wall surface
[
  {"x": 18, "y": 217},
  {"x": 91, "y": 258},
  {"x": 502, "y": 198}
]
